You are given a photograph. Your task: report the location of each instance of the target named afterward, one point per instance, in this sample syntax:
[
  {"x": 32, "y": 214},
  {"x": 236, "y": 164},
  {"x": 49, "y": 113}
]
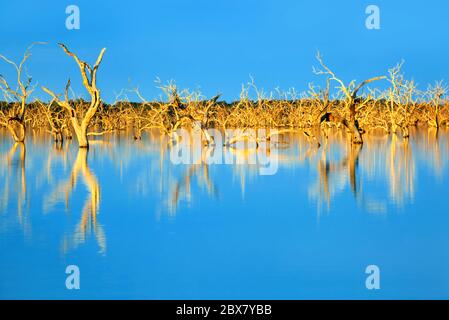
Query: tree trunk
[
  {"x": 83, "y": 142},
  {"x": 353, "y": 125},
  {"x": 81, "y": 133},
  {"x": 356, "y": 136},
  {"x": 17, "y": 129}
]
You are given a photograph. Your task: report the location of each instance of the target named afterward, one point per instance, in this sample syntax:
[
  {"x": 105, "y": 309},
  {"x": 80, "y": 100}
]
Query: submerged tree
[
  {"x": 436, "y": 95},
  {"x": 351, "y": 101},
  {"x": 56, "y": 119},
  {"x": 89, "y": 75},
  {"x": 401, "y": 101},
  {"x": 14, "y": 119}
]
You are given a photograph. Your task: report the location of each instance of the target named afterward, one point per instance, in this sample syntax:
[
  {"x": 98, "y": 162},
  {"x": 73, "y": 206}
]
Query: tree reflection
[
  {"x": 332, "y": 173},
  {"x": 15, "y": 183},
  {"x": 381, "y": 173},
  {"x": 390, "y": 159},
  {"x": 181, "y": 188},
  {"x": 88, "y": 223}
]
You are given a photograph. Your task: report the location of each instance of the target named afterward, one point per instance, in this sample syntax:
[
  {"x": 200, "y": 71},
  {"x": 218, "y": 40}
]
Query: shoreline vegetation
[{"x": 354, "y": 107}]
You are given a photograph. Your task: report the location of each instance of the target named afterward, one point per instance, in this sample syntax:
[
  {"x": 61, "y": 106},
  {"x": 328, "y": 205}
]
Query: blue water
[{"x": 139, "y": 226}]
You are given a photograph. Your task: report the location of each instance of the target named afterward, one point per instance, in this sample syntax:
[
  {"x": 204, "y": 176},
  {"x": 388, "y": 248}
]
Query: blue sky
[{"x": 215, "y": 45}]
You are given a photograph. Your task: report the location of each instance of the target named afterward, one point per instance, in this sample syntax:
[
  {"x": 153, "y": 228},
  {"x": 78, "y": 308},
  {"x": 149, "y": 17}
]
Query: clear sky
[{"x": 214, "y": 45}]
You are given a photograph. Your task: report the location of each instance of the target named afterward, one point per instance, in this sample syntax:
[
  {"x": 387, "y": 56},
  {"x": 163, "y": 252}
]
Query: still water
[{"x": 139, "y": 226}]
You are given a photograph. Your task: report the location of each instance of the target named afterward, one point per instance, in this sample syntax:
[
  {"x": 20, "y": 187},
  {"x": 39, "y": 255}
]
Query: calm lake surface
[{"x": 139, "y": 226}]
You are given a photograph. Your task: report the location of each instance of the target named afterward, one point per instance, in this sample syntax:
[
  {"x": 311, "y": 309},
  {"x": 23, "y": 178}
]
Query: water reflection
[
  {"x": 385, "y": 158},
  {"x": 339, "y": 166},
  {"x": 332, "y": 173},
  {"x": 181, "y": 189},
  {"x": 15, "y": 185},
  {"x": 143, "y": 169},
  {"x": 64, "y": 188},
  {"x": 88, "y": 222}
]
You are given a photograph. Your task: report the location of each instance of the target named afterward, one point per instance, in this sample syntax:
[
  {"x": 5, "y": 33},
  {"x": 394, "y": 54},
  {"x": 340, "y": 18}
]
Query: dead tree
[
  {"x": 14, "y": 119},
  {"x": 350, "y": 99},
  {"x": 401, "y": 101},
  {"x": 56, "y": 119},
  {"x": 89, "y": 75},
  {"x": 435, "y": 95}
]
